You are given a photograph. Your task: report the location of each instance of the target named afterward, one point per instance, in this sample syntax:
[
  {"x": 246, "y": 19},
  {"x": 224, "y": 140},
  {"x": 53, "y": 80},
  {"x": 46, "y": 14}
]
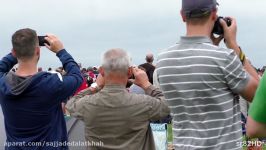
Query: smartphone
[{"x": 42, "y": 40}]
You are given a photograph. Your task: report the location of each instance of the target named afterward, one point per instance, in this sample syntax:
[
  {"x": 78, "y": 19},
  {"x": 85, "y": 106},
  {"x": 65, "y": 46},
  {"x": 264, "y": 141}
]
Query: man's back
[
  {"x": 32, "y": 110},
  {"x": 198, "y": 80},
  {"x": 116, "y": 119}
]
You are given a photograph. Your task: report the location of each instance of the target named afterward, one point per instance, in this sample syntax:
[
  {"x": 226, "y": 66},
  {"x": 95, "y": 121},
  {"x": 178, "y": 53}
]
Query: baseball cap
[{"x": 198, "y": 8}]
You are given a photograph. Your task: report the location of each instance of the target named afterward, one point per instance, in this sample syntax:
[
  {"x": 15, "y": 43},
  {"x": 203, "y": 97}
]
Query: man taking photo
[
  {"x": 31, "y": 100},
  {"x": 113, "y": 116},
  {"x": 200, "y": 80}
]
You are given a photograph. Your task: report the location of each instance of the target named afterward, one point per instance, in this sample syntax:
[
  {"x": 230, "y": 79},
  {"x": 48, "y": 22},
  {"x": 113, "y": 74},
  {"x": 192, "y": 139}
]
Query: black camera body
[
  {"x": 218, "y": 29},
  {"x": 42, "y": 40}
]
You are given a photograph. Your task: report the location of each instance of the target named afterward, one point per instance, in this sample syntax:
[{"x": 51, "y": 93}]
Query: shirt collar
[
  {"x": 195, "y": 39},
  {"x": 115, "y": 87}
]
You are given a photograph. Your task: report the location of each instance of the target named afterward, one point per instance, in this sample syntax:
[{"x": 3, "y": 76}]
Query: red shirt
[{"x": 83, "y": 86}]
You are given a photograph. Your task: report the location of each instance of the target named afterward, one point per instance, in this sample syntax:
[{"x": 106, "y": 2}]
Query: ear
[
  {"x": 129, "y": 72},
  {"x": 101, "y": 71},
  {"x": 38, "y": 51},
  {"x": 13, "y": 52},
  {"x": 214, "y": 15},
  {"x": 183, "y": 15}
]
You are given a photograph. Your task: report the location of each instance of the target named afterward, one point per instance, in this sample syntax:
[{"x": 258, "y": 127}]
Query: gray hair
[{"x": 116, "y": 60}]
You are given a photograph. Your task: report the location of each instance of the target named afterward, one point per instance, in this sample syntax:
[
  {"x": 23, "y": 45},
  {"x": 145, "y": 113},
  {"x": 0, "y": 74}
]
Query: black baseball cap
[{"x": 198, "y": 8}]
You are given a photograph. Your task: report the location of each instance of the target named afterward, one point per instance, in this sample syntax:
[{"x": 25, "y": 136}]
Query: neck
[
  {"x": 26, "y": 68},
  {"x": 199, "y": 30},
  {"x": 116, "y": 79}
]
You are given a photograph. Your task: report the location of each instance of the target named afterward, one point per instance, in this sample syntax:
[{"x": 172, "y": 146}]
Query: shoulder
[
  {"x": 263, "y": 81},
  {"x": 199, "y": 48},
  {"x": 142, "y": 99},
  {"x": 56, "y": 74},
  {"x": 169, "y": 49},
  {"x": 136, "y": 89},
  {"x": 48, "y": 77},
  {"x": 215, "y": 50}
]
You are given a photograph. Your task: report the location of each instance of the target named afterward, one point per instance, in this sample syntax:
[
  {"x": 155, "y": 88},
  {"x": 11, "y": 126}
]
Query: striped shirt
[{"x": 199, "y": 80}]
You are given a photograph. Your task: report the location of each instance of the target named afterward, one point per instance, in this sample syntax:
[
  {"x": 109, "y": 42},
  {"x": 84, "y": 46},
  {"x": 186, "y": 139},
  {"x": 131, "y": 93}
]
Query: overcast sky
[{"x": 89, "y": 27}]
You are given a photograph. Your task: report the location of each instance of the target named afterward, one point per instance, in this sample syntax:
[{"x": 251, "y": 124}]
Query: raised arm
[
  {"x": 6, "y": 64},
  {"x": 156, "y": 101},
  {"x": 70, "y": 82},
  {"x": 75, "y": 105},
  {"x": 230, "y": 36}
]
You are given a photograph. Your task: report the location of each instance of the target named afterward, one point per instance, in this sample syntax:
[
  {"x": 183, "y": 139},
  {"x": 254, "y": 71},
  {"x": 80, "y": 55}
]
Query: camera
[
  {"x": 42, "y": 40},
  {"x": 218, "y": 29}
]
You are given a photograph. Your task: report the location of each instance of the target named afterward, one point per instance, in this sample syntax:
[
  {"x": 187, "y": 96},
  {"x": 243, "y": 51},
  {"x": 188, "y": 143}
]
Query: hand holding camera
[
  {"x": 100, "y": 81},
  {"x": 218, "y": 28},
  {"x": 51, "y": 42},
  {"x": 141, "y": 78},
  {"x": 217, "y": 31},
  {"x": 230, "y": 33},
  {"x": 226, "y": 28}
]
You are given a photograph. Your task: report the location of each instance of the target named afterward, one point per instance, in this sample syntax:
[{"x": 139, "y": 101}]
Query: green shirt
[{"x": 258, "y": 107}]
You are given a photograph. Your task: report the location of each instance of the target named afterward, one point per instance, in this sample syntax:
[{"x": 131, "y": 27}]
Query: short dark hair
[
  {"x": 24, "y": 42},
  {"x": 198, "y": 8},
  {"x": 198, "y": 21},
  {"x": 149, "y": 58}
]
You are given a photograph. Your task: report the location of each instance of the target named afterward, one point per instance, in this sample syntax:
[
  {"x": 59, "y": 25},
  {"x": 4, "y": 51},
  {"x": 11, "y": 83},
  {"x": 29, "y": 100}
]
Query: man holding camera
[
  {"x": 31, "y": 100},
  {"x": 113, "y": 116},
  {"x": 200, "y": 80}
]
